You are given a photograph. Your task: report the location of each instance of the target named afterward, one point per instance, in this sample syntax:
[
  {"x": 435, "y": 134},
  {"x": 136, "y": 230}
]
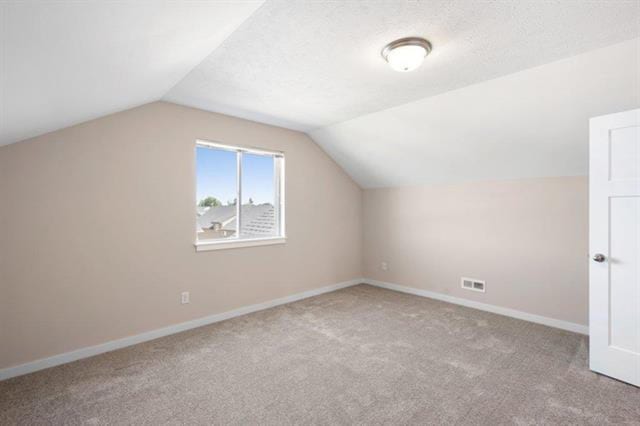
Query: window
[{"x": 240, "y": 196}]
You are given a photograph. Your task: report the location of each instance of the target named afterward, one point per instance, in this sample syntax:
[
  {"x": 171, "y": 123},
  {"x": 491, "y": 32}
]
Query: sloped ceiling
[
  {"x": 477, "y": 109},
  {"x": 534, "y": 123},
  {"x": 306, "y": 65},
  {"x": 65, "y": 62}
]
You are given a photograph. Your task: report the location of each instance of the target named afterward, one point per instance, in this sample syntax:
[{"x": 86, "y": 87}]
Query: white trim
[
  {"x": 538, "y": 319},
  {"x": 236, "y": 148},
  {"x": 238, "y": 193},
  {"x": 238, "y": 243},
  {"x": 67, "y": 357},
  {"x": 30, "y": 367},
  {"x": 280, "y": 177}
]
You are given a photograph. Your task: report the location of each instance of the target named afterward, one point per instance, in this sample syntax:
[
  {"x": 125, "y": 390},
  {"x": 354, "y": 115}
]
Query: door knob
[{"x": 599, "y": 257}]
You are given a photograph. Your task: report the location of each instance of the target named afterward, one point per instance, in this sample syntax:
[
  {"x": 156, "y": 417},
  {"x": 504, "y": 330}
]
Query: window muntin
[{"x": 226, "y": 174}]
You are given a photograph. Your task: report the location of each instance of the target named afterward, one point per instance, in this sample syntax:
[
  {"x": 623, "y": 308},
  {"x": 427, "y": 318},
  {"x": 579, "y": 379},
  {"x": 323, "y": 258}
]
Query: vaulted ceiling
[
  {"x": 478, "y": 108},
  {"x": 310, "y": 64},
  {"x": 534, "y": 123},
  {"x": 64, "y": 62}
]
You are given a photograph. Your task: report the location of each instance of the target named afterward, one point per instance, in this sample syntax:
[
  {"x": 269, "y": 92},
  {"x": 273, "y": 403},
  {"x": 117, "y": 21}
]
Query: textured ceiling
[
  {"x": 65, "y": 62},
  {"x": 309, "y": 64},
  {"x": 534, "y": 123},
  {"x": 477, "y": 109}
]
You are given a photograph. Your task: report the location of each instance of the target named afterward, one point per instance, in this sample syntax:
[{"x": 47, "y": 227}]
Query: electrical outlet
[
  {"x": 384, "y": 266},
  {"x": 184, "y": 297}
]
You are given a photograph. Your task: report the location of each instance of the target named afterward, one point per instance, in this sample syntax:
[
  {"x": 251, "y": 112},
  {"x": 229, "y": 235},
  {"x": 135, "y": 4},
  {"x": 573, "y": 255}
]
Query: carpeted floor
[{"x": 361, "y": 355}]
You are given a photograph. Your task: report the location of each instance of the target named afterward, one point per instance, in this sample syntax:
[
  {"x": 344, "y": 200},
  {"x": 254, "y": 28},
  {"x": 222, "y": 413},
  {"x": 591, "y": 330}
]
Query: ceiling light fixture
[{"x": 406, "y": 54}]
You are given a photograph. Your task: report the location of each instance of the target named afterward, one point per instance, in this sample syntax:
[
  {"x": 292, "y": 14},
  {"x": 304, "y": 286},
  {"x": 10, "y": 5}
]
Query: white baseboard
[
  {"x": 551, "y": 322},
  {"x": 41, "y": 364}
]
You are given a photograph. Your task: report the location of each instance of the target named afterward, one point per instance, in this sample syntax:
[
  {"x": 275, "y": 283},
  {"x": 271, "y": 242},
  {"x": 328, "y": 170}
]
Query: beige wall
[
  {"x": 97, "y": 226},
  {"x": 100, "y": 226},
  {"x": 527, "y": 238}
]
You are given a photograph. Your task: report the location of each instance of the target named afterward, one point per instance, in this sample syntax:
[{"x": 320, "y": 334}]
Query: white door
[{"x": 614, "y": 225}]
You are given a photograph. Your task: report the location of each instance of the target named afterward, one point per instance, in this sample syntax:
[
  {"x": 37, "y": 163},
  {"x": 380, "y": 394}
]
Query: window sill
[{"x": 222, "y": 245}]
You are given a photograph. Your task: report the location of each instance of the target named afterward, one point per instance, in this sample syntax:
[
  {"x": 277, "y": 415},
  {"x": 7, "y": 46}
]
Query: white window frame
[{"x": 279, "y": 185}]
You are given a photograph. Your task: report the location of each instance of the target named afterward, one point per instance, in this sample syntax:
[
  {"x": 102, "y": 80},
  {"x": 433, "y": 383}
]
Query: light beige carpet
[{"x": 362, "y": 355}]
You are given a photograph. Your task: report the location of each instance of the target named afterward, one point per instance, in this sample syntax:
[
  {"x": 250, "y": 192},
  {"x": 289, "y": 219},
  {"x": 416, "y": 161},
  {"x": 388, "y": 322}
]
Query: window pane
[
  {"x": 258, "y": 215},
  {"x": 216, "y": 193}
]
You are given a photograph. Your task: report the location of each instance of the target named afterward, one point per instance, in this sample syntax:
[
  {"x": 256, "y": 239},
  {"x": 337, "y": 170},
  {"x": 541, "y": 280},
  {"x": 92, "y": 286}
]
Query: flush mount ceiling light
[{"x": 406, "y": 54}]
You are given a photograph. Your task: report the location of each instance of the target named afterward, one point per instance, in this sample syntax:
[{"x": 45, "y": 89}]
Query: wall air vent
[{"x": 473, "y": 284}]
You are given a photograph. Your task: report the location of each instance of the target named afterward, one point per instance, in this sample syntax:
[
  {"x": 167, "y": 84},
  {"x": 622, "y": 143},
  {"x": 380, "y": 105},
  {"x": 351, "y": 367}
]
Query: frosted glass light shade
[{"x": 405, "y": 55}]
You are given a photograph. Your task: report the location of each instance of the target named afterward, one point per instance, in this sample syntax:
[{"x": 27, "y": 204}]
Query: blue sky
[{"x": 216, "y": 171}]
